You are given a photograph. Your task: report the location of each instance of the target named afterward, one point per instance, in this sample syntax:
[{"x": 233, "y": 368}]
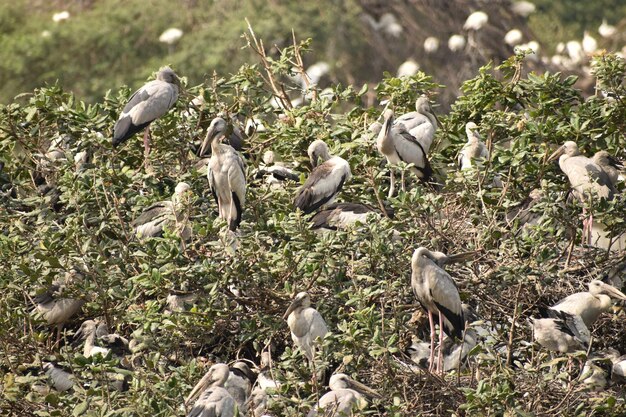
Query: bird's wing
[
  {"x": 323, "y": 183},
  {"x": 323, "y": 219},
  {"x": 282, "y": 173},
  {"x": 410, "y": 150},
  {"x": 157, "y": 209},
  {"x": 318, "y": 325},
  {"x": 446, "y": 298},
  {"x": 574, "y": 303}
]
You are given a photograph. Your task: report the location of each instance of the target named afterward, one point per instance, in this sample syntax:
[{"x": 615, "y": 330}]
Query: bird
[
  {"x": 213, "y": 400},
  {"x": 523, "y": 8},
  {"x": 227, "y": 177},
  {"x": 398, "y": 145},
  {"x": 619, "y": 364},
  {"x": 98, "y": 340},
  {"x": 437, "y": 293},
  {"x": 593, "y": 376},
  {"x": 58, "y": 378},
  {"x": 257, "y": 402},
  {"x": 513, "y": 37},
  {"x": 590, "y": 304},
  {"x": 56, "y": 311},
  {"x": 605, "y": 30},
  {"x": 456, "y": 43},
  {"x": 306, "y": 324},
  {"x": 325, "y": 180},
  {"x": 560, "y": 331},
  {"x": 164, "y": 214},
  {"x": 453, "y": 353},
  {"x": 147, "y": 104},
  {"x": 239, "y": 383},
  {"x": 431, "y": 44},
  {"x": 219, "y": 126},
  {"x": 421, "y": 123},
  {"x": 341, "y": 215},
  {"x": 524, "y": 213},
  {"x": 587, "y": 179},
  {"x": 408, "y": 68},
  {"x": 476, "y": 21},
  {"x": 345, "y": 394},
  {"x": 589, "y": 43},
  {"x": 275, "y": 172},
  {"x": 609, "y": 164},
  {"x": 473, "y": 149}
]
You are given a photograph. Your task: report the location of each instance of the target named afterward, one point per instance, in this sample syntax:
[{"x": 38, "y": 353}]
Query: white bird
[
  {"x": 213, "y": 399},
  {"x": 60, "y": 16},
  {"x": 473, "y": 149},
  {"x": 431, "y": 44},
  {"x": 164, "y": 214},
  {"x": 560, "y": 331},
  {"x": 398, "y": 145},
  {"x": 58, "y": 378},
  {"x": 177, "y": 303},
  {"x": 593, "y": 377},
  {"x": 219, "y": 126},
  {"x": 325, "y": 181},
  {"x": 513, "y": 37},
  {"x": 421, "y": 123},
  {"x": 476, "y": 21},
  {"x": 257, "y": 402},
  {"x": 147, "y": 104},
  {"x": 605, "y": 30},
  {"x": 575, "y": 51},
  {"x": 275, "y": 172},
  {"x": 227, "y": 176},
  {"x": 453, "y": 353},
  {"x": 239, "y": 383},
  {"x": 343, "y": 215},
  {"x": 345, "y": 395},
  {"x": 590, "y": 45},
  {"x": 56, "y": 311},
  {"x": 609, "y": 164},
  {"x": 437, "y": 293},
  {"x": 523, "y": 8},
  {"x": 590, "y": 304},
  {"x": 456, "y": 43},
  {"x": 389, "y": 25},
  {"x": 99, "y": 340},
  {"x": 306, "y": 324},
  {"x": 408, "y": 68},
  {"x": 171, "y": 36},
  {"x": 619, "y": 364},
  {"x": 589, "y": 182}
]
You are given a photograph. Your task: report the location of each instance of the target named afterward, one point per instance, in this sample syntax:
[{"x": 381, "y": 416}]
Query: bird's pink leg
[
  {"x": 146, "y": 147},
  {"x": 392, "y": 183},
  {"x": 589, "y": 228},
  {"x": 431, "y": 361},
  {"x": 440, "y": 356}
]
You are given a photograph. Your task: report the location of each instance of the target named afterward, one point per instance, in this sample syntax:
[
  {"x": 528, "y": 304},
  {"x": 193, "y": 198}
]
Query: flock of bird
[{"x": 405, "y": 139}]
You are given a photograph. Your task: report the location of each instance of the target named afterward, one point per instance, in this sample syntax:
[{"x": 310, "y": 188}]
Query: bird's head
[
  {"x": 169, "y": 76},
  {"x": 471, "y": 130},
  {"x": 343, "y": 381},
  {"x": 268, "y": 157},
  {"x": 598, "y": 287},
  {"x": 302, "y": 300},
  {"x": 218, "y": 127},
  {"x": 569, "y": 148},
  {"x": 318, "y": 150},
  {"x": 215, "y": 377},
  {"x": 422, "y": 105},
  {"x": 87, "y": 328}
]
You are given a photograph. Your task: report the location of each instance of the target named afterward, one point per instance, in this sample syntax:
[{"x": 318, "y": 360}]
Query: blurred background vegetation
[{"x": 109, "y": 43}]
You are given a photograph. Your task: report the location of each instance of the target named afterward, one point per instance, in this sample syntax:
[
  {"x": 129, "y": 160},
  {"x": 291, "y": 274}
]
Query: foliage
[{"x": 359, "y": 278}]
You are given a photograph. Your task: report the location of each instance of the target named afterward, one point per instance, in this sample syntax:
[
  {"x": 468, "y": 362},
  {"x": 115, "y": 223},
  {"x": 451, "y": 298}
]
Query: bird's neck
[{"x": 605, "y": 302}]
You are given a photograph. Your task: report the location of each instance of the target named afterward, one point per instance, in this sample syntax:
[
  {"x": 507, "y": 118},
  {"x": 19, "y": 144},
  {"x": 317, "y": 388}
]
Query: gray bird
[
  {"x": 473, "y": 149},
  {"x": 306, "y": 324},
  {"x": 437, "y": 293},
  {"x": 55, "y": 310},
  {"x": 421, "y": 123},
  {"x": 275, "y": 172},
  {"x": 239, "y": 383},
  {"x": 560, "y": 331},
  {"x": 325, "y": 181},
  {"x": 590, "y": 304},
  {"x": 147, "y": 104},
  {"x": 397, "y": 145},
  {"x": 213, "y": 399},
  {"x": 345, "y": 394},
  {"x": 164, "y": 214},
  {"x": 609, "y": 164},
  {"x": 342, "y": 215},
  {"x": 233, "y": 135},
  {"x": 59, "y": 379},
  {"x": 227, "y": 177}
]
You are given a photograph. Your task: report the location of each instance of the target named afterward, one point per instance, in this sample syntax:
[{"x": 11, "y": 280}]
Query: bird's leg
[
  {"x": 391, "y": 183},
  {"x": 431, "y": 361},
  {"x": 402, "y": 181},
  {"x": 146, "y": 147},
  {"x": 440, "y": 355},
  {"x": 589, "y": 228}
]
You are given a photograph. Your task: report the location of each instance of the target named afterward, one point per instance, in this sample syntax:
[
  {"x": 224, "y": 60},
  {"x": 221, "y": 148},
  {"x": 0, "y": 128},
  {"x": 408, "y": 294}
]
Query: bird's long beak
[
  {"x": 207, "y": 141},
  {"x": 556, "y": 154},
  {"x": 364, "y": 389},
  {"x": 614, "y": 292},
  {"x": 199, "y": 388},
  {"x": 292, "y": 306},
  {"x": 437, "y": 119},
  {"x": 463, "y": 256}
]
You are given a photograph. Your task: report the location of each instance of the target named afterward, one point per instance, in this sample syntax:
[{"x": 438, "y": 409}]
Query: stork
[
  {"x": 306, "y": 324},
  {"x": 147, "y": 104},
  {"x": 421, "y": 123},
  {"x": 560, "y": 331},
  {"x": 227, "y": 176},
  {"x": 98, "y": 340},
  {"x": 219, "y": 126},
  {"x": 473, "y": 149},
  {"x": 56, "y": 311},
  {"x": 590, "y": 304},
  {"x": 239, "y": 383},
  {"x": 154, "y": 219},
  {"x": 275, "y": 172},
  {"x": 437, "y": 293},
  {"x": 213, "y": 398},
  {"x": 588, "y": 180},
  {"x": 398, "y": 145},
  {"x": 325, "y": 181},
  {"x": 345, "y": 394},
  {"x": 609, "y": 164},
  {"x": 58, "y": 378},
  {"x": 341, "y": 215}
]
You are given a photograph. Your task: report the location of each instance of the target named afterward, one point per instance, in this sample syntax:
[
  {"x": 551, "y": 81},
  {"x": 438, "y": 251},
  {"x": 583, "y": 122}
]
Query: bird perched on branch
[{"x": 306, "y": 324}]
